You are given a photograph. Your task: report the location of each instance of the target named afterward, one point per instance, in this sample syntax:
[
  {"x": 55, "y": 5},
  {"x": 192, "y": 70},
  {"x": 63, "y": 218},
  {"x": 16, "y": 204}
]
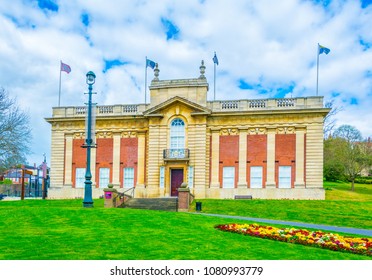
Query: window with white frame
[
  {"x": 285, "y": 177},
  {"x": 228, "y": 179},
  {"x": 79, "y": 177},
  {"x": 190, "y": 177},
  {"x": 177, "y": 134},
  {"x": 104, "y": 177},
  {"x": 128, "y": 177},
  {"x": 161, "y": 177},
  {"x": 256, "y": 177}
]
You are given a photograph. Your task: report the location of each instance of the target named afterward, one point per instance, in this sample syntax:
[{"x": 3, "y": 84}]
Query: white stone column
[
  {"x": 242, "y": 179},
  {"x": 270, "y": 164},
  {"x": 93, "y": 159},
  {"x": 215, "y": 159},
  {"x": 116, "y": 159},
  {"x": 68, "y": 160},
  {"x": 141, "y": 159},
  {"x": 300, "y": 158}
]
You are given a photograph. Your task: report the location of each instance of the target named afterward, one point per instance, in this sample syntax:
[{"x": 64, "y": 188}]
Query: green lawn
[
  {"x": 63, "y": 229},
  {"x": 342, "y": 207},
  {"x": 342, "y": 191}
]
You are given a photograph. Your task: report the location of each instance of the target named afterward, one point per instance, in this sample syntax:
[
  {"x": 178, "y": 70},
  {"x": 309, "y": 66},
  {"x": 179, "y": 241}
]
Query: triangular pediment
[{"x": 197, "y": 109}]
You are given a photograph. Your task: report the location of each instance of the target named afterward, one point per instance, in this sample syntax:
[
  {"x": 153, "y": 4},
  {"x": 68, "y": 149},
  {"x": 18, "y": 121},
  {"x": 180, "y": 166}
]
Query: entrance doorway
[{"x": 176, "y": 180}]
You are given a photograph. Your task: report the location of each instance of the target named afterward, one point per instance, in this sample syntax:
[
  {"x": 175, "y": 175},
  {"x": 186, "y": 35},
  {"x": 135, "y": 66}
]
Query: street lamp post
[{"x": 88, "y": 200}]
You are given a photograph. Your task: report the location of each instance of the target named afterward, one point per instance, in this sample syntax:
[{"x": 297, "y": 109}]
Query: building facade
[{"x": 267, "y": 148}]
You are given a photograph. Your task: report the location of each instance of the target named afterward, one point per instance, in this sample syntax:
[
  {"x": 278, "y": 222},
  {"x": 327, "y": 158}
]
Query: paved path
[{"x": 360, "y": 231}]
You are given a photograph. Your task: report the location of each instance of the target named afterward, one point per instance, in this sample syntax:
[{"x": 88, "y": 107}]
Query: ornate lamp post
[{"x": 88, "y": 201}]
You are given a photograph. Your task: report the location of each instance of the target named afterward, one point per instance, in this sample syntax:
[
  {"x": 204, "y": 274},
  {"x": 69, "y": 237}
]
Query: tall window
[
  {"x": 285, "y": 177},
  {"x": 128, "y": 177},
  {"x": 79, "y": 177},
  {"x": 161, "y": 177},
  {"x": 190, "y": 175},
  {"x": 256, "y": 177},
  {"x": 228, "y": 179},
  {"x": 104, "y": 177},
  {"x": 177, "y": 134}
]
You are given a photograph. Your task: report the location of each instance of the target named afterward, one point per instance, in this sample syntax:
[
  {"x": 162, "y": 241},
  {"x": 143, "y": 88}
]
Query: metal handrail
[
  {"x": 121, "y": 196},
  {"x": 191, "y": 198}
]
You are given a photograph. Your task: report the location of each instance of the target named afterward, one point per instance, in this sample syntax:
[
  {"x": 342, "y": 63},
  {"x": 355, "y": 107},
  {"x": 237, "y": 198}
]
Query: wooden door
[{"x": 176, "y": 180}]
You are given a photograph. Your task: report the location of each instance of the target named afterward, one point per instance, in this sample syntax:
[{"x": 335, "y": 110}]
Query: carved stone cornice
[
  {"x": 129, "y": 134},
  {"x": 79, "y": 135},
  {"x": 229, "y": 131},
  {"x": 104, "y": 134},
  {"x": 285, "y": 130},
  {"x": 257, "y": 130}
]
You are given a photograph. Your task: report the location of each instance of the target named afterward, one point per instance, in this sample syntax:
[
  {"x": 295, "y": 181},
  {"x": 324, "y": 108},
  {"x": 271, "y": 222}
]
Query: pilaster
[
  {"x": 116, "y": 159},
  {"x": 300, "y": 157},
  {"x": 215, "y": 158},
  {"x": 270, "y": 177},
  {"x": 141, "y": 159},
  {"x": 242, "y": 179},
  {"x": 93, "y": 160},
  {"x": 68, "y": 160}
]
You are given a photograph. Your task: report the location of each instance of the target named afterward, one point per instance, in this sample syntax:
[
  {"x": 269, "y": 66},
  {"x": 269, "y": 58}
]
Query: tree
[
  {"x": 333, "y": 159},
  {"x": 349, "y": 133},
  {"x": 329, "y": 120},
  {"x": 15, "y": 132},
  {"x": 349, "y": 151}
]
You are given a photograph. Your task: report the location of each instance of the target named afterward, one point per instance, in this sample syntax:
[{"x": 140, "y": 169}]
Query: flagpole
[
  {"x": 59, "y": 94},
  {"x": 145, "y": 80},
  {"x": 214, "y": 86},
  {"x": 317, "y": 71}
]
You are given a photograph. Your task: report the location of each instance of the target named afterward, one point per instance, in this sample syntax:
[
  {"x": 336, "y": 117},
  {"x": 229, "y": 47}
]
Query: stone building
[{"x": 267, "y": 148}]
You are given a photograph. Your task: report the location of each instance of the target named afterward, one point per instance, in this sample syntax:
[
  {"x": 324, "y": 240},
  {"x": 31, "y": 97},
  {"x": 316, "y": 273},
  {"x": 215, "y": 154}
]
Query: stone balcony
[
  {"x": 246, "y": 105},
  {"x": 176, "y": 154}
]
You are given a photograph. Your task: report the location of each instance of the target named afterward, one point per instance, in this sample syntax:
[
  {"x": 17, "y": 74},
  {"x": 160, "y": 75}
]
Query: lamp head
[{"x": 91, "y": 78}]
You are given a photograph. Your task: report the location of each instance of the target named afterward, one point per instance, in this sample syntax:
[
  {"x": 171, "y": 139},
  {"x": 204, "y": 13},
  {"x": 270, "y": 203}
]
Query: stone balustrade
[{"x": 215, "y": 106}]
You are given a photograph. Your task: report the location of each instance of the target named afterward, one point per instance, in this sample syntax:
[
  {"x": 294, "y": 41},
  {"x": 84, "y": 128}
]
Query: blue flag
[
  {"x": 150, "y": 63},
  {"x": 215, "y": 59},
  {"x": 323, "y": 49}
]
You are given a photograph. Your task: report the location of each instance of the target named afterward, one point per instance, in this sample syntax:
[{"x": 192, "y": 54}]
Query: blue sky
[{"x": 265, "y": 49}]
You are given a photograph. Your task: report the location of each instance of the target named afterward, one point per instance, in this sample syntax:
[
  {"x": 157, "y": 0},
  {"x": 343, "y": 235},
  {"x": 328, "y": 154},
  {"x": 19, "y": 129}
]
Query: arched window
[{"x": 177, "y": 134}]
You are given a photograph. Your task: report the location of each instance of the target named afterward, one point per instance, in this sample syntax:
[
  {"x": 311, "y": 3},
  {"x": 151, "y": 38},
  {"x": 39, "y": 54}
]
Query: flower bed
[{"x": 320, "y": 239}]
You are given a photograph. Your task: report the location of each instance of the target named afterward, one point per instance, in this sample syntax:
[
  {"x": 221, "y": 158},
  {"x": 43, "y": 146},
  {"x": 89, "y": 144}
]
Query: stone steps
[{"x": 165, "y": 204}]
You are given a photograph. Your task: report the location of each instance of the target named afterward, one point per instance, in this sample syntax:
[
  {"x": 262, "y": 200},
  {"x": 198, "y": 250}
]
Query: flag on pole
[
  {"x": 66, "y": 68},
  {"x": 323, "y": 49},
  {"x": 215, "y": 59},
  {"x": 150, "y": 63}
]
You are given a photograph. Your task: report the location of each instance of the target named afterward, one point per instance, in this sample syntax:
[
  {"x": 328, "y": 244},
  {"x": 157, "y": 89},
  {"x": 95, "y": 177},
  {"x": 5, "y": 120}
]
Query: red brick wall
[
  {"x": 285, "y": 154},
  {"x": 229, "y": 155},
  {"x": 104, "y": 156},
  {"x": 256, "y": 155},
  {"x": 79, "y": 157},
  {"x": 128, "y": 157}
]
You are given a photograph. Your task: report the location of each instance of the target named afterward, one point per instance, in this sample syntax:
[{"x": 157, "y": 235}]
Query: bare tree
[
  {"x": 329, "y": 120},
  {"x": 15, "y": 132}
]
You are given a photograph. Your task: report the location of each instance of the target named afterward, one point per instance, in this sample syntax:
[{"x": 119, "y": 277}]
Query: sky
[{"x": 265, "y": 49}]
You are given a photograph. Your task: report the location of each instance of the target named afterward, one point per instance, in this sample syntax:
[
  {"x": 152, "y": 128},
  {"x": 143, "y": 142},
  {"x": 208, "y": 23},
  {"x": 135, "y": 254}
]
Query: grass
[
  {"x": 339, "y": 213},
  {"x": 64, "y": 230},
  {"x": 342, "y": 207},
  {"x": 342, "y": 191}
]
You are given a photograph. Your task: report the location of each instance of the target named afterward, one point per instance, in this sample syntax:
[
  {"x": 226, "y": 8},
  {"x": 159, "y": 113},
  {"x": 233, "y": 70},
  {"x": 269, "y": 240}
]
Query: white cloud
[{"x": 266, "y": 44}]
